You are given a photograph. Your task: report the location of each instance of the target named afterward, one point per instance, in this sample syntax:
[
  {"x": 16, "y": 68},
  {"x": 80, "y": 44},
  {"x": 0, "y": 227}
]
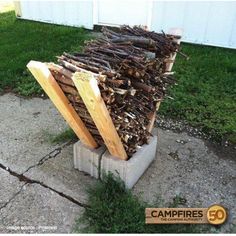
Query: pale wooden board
[
  {"x": 44, "y": 77},
  {"x": 90, "y": 93}
]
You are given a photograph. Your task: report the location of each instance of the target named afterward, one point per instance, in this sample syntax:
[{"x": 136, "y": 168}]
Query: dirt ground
[{"x": 42, "y": 192}]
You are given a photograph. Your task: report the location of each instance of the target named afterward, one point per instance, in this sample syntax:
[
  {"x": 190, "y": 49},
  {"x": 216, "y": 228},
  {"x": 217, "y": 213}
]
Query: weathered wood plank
[
  {"x": 177, "y": 32},
  {"x": 152, "y": 117}
]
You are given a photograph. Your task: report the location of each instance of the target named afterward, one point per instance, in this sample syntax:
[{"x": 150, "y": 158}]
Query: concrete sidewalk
[
  {"x": 42, "y": 192},
  {"x": 55, "y": 199}
]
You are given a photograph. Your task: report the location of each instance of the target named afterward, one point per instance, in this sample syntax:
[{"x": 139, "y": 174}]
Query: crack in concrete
[
  {"x": 13, "y": 197},
  {"x": 47, "y": 157},
  {"x": 27, "y": 180},
  {"x": 99, "y": 165}
]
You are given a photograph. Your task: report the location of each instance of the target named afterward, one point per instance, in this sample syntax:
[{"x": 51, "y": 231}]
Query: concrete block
[
  {"x": 86, "y": 159},
  {"x": 130, "y": 171}
]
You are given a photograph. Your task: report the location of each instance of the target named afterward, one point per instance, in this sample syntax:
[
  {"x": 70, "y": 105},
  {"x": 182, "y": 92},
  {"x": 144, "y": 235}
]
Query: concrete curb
[
  {"x": 96, "y": 161},
  {"x": 88, "y": 160}
]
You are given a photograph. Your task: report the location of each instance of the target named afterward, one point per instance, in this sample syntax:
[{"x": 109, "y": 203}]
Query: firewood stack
[{"x": 130, "y": 68}]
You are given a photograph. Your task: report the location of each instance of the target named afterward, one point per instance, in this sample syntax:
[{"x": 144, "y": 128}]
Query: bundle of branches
[
  {"x": 130, "y": 69},
  {"x": 161, "y": 44}
]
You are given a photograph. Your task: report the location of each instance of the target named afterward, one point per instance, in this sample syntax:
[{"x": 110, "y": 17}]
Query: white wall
[
  {"x": 73, "y": 13},
  {"x": 210, "y": 23},
  {"x": 203, "y": 22},
  {"x": 118, "y": 12}
]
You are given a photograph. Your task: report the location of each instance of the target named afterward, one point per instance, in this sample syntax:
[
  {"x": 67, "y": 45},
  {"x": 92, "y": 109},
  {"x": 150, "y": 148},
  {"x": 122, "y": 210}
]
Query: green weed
[
  {"x": 64, "y": 136},
  {"x": 205, "y": 94},
  {"x": 113, "y": 209}
]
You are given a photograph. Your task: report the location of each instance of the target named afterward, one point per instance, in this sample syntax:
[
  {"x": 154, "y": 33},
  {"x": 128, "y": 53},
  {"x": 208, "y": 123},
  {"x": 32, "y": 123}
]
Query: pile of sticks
[{"x": 130, "y": 68}]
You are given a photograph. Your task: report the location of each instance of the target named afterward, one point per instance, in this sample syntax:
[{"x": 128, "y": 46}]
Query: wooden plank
[
  {"x": 152, "y": 117},
  {"x": 90, "y": 93},
  {"x": 177, "y": 32},
  {"x": 42, "y": 74}
]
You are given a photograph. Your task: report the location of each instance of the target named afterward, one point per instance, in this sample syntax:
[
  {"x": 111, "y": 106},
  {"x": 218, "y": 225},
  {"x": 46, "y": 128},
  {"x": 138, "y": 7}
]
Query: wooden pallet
[{"x": 88, "y": 89}]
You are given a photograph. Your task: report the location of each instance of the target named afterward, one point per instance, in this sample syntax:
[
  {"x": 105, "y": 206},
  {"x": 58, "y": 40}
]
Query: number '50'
[{"x": 216, "y": 215}]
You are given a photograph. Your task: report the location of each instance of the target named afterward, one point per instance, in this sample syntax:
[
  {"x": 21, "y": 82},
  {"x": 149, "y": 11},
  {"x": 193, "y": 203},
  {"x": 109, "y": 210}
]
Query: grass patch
[
  {"x": 205, "y": 95},
  {"x": 113, "y": 209},
  {"x": 64, "y": 136},
  {"x": 22, "y": 41}
]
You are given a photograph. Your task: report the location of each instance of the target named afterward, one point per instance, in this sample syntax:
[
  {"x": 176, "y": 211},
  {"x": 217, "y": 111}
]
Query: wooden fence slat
[
  {"x": 44, "y": 77},
  {"x": 90, "y": 93}
]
